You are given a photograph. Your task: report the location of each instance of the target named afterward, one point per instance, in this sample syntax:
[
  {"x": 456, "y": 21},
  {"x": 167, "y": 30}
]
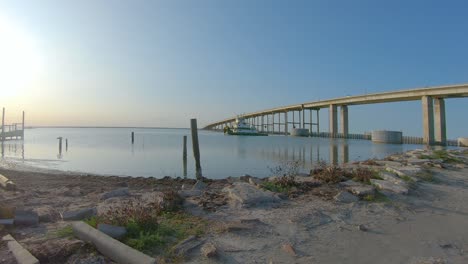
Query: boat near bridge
[{"x": 242, "y": 128}]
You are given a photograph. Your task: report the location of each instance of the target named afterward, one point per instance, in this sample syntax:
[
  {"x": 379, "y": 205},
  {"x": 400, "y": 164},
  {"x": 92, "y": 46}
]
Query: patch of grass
[
  {"x": 407, "y": 179},
  {"x": 442, "y": 155},
  {"x": 65, "y": 232},
  {"x": 377, "y": 197},
  {"x": 275, "y": 187},
  {"x": 152, "y": 227}
]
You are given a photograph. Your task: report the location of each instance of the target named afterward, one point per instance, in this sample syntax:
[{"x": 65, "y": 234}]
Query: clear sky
[{"x": 160, "y": 63}]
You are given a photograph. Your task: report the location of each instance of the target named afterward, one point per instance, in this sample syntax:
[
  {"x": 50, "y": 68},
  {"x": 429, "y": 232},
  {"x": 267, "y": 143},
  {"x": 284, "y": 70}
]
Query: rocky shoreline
[{"x": 385, "y": 211}]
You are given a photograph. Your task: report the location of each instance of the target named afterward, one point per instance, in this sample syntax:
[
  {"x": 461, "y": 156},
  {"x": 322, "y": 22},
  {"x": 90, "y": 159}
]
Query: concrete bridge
[{"x": 432, "y": 101}]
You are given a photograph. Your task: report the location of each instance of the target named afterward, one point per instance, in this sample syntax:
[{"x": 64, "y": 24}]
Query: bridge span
[{"x": 432, "y": 101}]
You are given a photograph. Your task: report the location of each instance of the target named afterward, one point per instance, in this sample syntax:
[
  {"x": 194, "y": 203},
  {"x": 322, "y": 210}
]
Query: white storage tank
[
  {"x": 463, "y": 142},
  {"x": 300, "y": 132},
  {"x": 389, "y": 137}
]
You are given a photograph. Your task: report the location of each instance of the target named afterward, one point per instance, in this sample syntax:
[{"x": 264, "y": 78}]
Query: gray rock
[
  {"x": 404, "y": 171},
  {"x": 358, "y": 188},
  {"x": 390, "y": 186},
  {"x": 345, "y": 197},
  {"x": 115, "y": 193},
  {"x": 418, "y": 161},
  {"x": 47, "y": 214},
  {"x": 208, "y": 250},
  {"x": 199, "y": 185},
  {"x": 112, "y": 231},
  {"x": 189, "y": 193},
  {"x": 247, "y": 195},
  {"x": 255, "y": 181},
  {"x": 389, "y": 163},
  {"x": 26, "y": 218},
  {"x": 79, "y": 214},
  {"x": 186, "y": 246},
  {"x": 390, "y": 177}
]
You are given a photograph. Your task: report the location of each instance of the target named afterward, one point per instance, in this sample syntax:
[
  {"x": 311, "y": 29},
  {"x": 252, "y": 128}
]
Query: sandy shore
[{"x": 427, "y": 225}]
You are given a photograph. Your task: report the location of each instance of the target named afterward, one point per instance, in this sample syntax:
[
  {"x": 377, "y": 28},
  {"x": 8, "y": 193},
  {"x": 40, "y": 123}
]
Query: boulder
[
  {"x": 417, "y": 161},
  {"x": 189, "y": 193},
  {"x": 390, "y": 186},
  {"x": 244, "y": 194},
  {"x": 115, "y": 193},
  {"x": 26, "y": 218},
  {"x": 80, "y": 214},
  {"x": 208, "y": 250},
  {"x": 112, "y": 231},
  {"x": 345, "y": 197}
]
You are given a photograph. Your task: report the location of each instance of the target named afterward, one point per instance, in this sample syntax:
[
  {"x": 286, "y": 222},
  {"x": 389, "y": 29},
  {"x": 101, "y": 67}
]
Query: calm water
[{"x": 158, "y": 152}]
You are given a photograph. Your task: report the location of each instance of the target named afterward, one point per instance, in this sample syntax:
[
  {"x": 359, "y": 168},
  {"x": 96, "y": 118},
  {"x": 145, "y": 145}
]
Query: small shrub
[
  {"x": 328, "y": 173},
  {"x": 370, "y": 162},
  {"x": 442, "y": 155},
  {"x": 285, "y": 177}
]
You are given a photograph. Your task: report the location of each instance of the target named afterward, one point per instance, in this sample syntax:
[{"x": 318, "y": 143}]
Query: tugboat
[{"x": 241, "y": 128}]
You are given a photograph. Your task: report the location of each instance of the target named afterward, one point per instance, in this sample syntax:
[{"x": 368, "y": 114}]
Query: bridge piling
[
  {"x": 344, "y": 120},
  {"x": 333, "y": 123},
  {"x": 428, "y": 120},
  {"x": 440, "y": 128}
]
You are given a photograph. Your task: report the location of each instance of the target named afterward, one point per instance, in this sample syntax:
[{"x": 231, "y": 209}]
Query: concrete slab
[{"x": 22, "y": 256}]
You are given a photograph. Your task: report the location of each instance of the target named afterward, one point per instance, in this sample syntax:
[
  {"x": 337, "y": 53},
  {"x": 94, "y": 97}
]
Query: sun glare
[{"x": 20, "y": 63}]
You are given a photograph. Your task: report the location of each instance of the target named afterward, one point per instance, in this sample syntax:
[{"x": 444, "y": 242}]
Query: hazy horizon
[{"x": 160, "y": 63}]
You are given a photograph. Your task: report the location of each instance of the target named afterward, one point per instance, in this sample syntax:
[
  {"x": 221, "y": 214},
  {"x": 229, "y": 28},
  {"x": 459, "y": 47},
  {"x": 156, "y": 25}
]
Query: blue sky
[{"x": 160, "y": 63}]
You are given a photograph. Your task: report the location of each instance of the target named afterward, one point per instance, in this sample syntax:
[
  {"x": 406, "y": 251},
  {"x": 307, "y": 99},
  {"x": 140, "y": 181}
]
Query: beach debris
[
  {"x": 288, "y": 248},
  {"x": 22, "y": 256},
  {"x": 186, "y": 245},
  {"x": 390, "y": 186},
  {"x": 209, "y": 250},
  {"x": 112, "y": 231},
  {"x": 26, "y": 218},
  {"x": 79, "y": 214},
  {"x": 115, "y": 193},
  {"x": 245, "y": 194},
  {"x": 345, "y": 197},
  {"x": 109, "y": 247},
  {"x": 7, "y": 184}
]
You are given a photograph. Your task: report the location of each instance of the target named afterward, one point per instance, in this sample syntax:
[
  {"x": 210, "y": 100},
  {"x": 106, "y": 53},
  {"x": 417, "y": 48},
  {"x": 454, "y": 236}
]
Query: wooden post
[
  {"x": 133, "y": 137},
  {"x": 66, "y": 144},
  {"x": 60, "y": 145},
  {"x": 22, "y": 132},
  {"x": 184, "y": 155},
  {"x": 196, "y": 149},
  {"x": 3, "y": 124}
]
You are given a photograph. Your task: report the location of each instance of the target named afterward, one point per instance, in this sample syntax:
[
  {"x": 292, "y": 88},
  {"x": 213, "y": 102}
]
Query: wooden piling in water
[
  {"x": 60, "y": 145},
  {"x": 22, "y": 132},
  {"x": 184, "y": 155},
  {"x": 66, "y": 144},
  {"x": 196, "y": 150},
  {"x": 133, "y": 137}
]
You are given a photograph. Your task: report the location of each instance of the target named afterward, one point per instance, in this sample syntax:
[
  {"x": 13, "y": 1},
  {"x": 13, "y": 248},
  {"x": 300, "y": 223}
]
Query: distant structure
[
  {"x": 433, "y": 114},
  {"x": 12, "y": 131}
]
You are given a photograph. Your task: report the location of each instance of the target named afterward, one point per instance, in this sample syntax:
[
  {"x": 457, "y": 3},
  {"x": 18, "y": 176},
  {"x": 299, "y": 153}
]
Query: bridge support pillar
[
  {"x": 439, "y": 121},
  {"x": 344, "y": 120},
  {"x": 286, "y": 123},
  {"x": 428, "y": 120},
  {"x": 333, "y": 123}
]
